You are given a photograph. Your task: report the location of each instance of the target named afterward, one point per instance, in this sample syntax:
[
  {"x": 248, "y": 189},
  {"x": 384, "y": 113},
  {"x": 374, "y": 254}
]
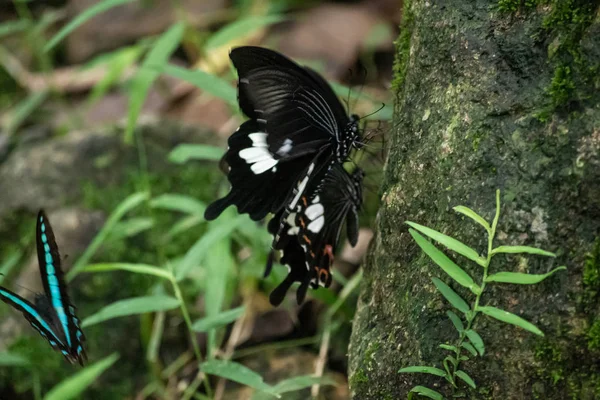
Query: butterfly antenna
[{"x": 374, "y": 112}]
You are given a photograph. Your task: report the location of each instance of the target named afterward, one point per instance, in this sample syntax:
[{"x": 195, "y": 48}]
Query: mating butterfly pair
[
  {"x": 287, "y": 159},
  {"x": 52, "y": 315}
]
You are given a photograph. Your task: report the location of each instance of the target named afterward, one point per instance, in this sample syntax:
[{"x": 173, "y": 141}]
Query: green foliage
[
  {"x": 593, "y": 336},
  {"x": 403, "y": 47},
  {"x": 468, "y": 338},
  {"x": 72, "y": 387}
]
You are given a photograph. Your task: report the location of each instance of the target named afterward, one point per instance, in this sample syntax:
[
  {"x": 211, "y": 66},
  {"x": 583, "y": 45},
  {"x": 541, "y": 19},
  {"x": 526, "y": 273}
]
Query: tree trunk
[{"x": 490, "y": 95}]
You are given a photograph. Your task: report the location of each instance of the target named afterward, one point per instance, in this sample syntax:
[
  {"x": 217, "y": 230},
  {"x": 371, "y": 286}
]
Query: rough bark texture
[{"x": 490, "y": 94}]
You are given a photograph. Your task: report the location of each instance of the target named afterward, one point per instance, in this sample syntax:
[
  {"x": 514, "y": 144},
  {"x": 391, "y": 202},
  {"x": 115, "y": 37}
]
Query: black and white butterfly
[
  {"x": 52, "y": 315},
  {"x": 308, "y": 236},
  {"x": 297, "y": 127}
]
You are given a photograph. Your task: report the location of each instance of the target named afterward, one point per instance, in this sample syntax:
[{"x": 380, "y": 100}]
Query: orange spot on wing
[{"x": 306, "y": 239}]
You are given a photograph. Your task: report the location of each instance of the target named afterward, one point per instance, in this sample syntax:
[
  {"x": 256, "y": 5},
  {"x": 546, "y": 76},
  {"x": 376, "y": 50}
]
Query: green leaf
[
  {"x": 135, "y": 268},
  {"x": 13, "y": 360},
  {"x": 183, "y": 225},
  {"x": 469, "y": 347},
  {"x": 451, "y": 296},
  {"x": 295, "y": 384},
  {"x": 448, "y": 347},
  {"x": 132, "y": 306},
  {"x": 423, "y": 391},
  {"x": 11, "y": 262},
  {"x": 510, "y": 318},
  {"x": 521, "y": 279},
  {"x": 86, "y": 15},
  {"x": 209, "y": 83},
  {"x": 23, "y": 110},
  {"x": 468, "y": 380},
  {"x": 150, "y": 69},
  {"x": 198, "y": 251},
  {"x": 449, "y": 267},
  {"x": 123, "y": 208},
  {"x": 240, "y": 28},
  {"x": 466, "y": 211},
  {"x": 116, "y": 66},
  {"x": 10, "y": 27},
  {"x": 450, "y": 243},
  {"x": 497, "y": 215},
  {"x": 73, "y": 386},
  {"x": 476, "y": 341},
  {"x": 423, "y": 370},
  {"x": 456, "y": 321},
  {"x": 464, "y": 358},
  {"x": 237, "y": 373},
  {"x": 219, "y": 320},
  {"x": 522, "y": 249},
  {"x": 178, "y": 202},
  {"x": 130, "y": 227},
  {"x": 453, "y": 360},
  {"x": 186, "y": 152}
]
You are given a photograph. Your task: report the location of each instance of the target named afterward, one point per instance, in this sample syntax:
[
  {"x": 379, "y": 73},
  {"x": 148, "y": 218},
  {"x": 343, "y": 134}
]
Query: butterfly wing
[
  {"x": 35, "y": 317},
  {"x": 295, "y": 118},
  {"x": 335, "y": 202},
  {"x": 309, "y": 236},
  {"x": 56, "y": 290},
  {"x": 293, "y": 104}
]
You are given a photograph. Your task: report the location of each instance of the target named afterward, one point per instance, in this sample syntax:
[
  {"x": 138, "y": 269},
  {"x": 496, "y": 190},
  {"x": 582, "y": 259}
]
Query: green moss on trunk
[{"x": 490, "y": 95}]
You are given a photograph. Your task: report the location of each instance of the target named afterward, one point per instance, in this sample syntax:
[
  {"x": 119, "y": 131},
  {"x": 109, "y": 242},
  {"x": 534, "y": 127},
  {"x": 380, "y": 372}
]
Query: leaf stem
[
  {"x": 471, "y": 315},
  {"x": 188, "y": 322}
]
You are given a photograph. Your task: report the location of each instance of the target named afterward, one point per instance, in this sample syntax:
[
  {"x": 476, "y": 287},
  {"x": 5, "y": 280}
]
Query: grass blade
[
  {"x": 126, "y": 205},
  {"x": 209, "y": 83},
  {"x": 186, "y": 152},
  {"x": 294, "y": 384},
  {"x": 449, "y": 242},
  {"x": 10, "y": 27},
  {"x": 430, "y": 393},
  {"x": 510, "y": 318},
  {"x": 449, "y": 267},
  {"x": 196, "y": 253},
  {"x": 476, "y": 341},
  {"x": 456, "y": 321},
  {"x": 13, "y": 360},
  {"x": 81, "y": 19},
  {"x": 130, "y": 227},
  {"x": 178, "y": 202},
  {"x": 150, "y": 69},
  {"x": 451, "y": 296},
  {"x": 466, "y": 211},
  {"x": 23, "y": 110},
  {"x": 236, "y": 372},
  {"x": 240, "y": 28},
  {"x": 465, "y": 377},
  {"x": 135, "y": 268},
  {"x": 521, "y": 279},
  {"x": 219, "y": 320},
  {"x": 132, "y": 306},
  {"x": 522, "y": 249},
  {"x": 73, "y": 386},
  {"x": 423, "y": 370}
]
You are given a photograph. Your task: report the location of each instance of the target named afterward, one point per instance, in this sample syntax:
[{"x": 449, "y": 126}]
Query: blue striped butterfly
[{"x": 52, "y": 315}]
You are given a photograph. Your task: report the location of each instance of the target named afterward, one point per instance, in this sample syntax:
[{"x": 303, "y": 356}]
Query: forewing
[
  {"x": 293, "y": 104},
  {"x": 260, "y": 183},
  {"x": 55, "y": 287}
]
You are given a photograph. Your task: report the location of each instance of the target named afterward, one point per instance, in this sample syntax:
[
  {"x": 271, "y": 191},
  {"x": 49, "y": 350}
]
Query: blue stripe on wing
[
  {"x": 32, "y": 315},
  {"x": 53, "y": 283}
]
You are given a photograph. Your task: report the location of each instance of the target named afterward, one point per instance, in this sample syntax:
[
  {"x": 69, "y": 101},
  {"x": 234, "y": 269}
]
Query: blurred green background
[{"x": 113, "y": 117}]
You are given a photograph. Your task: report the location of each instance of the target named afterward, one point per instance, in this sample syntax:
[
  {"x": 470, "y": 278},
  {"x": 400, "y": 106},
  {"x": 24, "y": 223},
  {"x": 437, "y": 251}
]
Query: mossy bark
[{"x": 490, "y": 95}]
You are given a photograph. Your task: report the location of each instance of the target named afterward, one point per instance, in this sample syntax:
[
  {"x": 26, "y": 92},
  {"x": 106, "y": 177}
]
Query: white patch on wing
[
  {"x": 291, "y": 221},
  {"x": 314, "y": 210},
  {"x": 316, "y": 225},
  {"x": 286, "y": 147},
  {"x": 258, "y": 155},
  {"x": 301, "y": 186}
]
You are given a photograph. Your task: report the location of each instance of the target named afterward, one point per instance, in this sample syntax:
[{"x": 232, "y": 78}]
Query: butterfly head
[{"x": 351, "y": 138}]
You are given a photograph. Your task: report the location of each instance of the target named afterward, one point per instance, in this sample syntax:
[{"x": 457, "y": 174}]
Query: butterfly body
[{"x": 52, "y": 313}]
